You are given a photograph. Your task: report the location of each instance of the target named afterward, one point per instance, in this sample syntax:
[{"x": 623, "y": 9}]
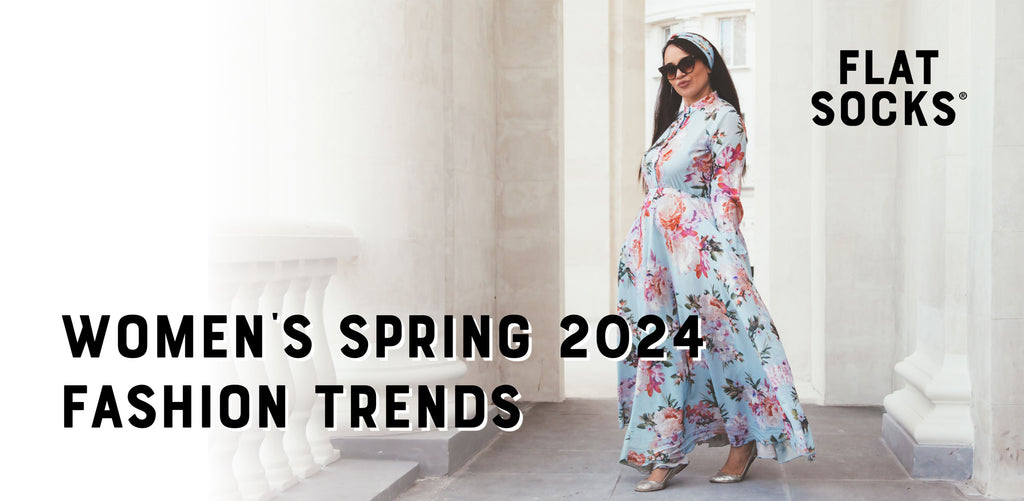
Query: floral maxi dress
[{"x": 685, "y": 255}]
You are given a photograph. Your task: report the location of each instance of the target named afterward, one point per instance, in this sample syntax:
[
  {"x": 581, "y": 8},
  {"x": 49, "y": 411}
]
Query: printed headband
[{"x": 702, "y": 43}]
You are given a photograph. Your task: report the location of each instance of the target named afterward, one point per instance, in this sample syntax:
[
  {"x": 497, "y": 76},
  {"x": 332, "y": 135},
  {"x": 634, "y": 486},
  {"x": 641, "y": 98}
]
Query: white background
[{"x": 102, "y": 117}]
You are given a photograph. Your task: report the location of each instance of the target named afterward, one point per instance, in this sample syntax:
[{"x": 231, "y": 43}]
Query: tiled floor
[{"x": 570, "y": 450}]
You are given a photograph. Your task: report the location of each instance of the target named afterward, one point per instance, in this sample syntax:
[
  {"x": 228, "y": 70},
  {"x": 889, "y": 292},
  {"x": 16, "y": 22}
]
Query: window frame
[{"x": 730, "y": 59}]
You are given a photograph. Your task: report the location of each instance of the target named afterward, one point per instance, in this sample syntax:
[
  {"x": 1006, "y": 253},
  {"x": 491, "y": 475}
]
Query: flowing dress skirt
[{"x": 675, "y": 263}]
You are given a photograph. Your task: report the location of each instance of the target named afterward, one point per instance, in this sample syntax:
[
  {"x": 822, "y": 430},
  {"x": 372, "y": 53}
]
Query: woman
[{"x": 685, "y": 256}]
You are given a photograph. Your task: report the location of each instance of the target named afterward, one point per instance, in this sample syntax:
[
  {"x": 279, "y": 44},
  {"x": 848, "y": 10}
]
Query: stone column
[
  {"x": 928, "y": 421},
  {"x": 792, "y": 160},
  {"x": 529, "y": 187},
  {"x": 996, "y": 311},
  {"x": 604, "y": 104},
  {"x": 353, "y": 126}
]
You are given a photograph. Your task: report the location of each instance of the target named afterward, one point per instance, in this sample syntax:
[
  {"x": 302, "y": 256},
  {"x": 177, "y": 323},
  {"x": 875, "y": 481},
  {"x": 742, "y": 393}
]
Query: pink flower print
[
  {"x": 656, "y": 287},
  {"x": 685, "y": 253},
  {"x": 704, "y": 210},
  {"x": 701, "y": 268},
  {"x": 732, "y": 211},
  {"x": 728, "y": 155},
  {"x": 701, "y": 364},
  {"x": 736, "y": 276},
  {"x": 723, "y": 184},
  {"x": 726, "y": 351},
  {"x": 773, "y": 412},
  {"x": 626, "y": 389},
  {"x": 649, "y": 377},
  {"x": 779, "y": 375},
  {"x": 665, "y": 155},
  {"x": 636, "y": 251},
  {"x": 737, "y": 426},
  {"x": 702, "y": 414},
  {"x": 636, "y": 458},
  {"x": 765, "y": 407},
  {"x": 647, "y": 206},
  {"x": 668, "y": 421},
  {"x": 702, "y": 165},
  {"x": 670, "y": 212},
  {"x": 683, "y": 368},
  {"x": 713, "y": 310},
  {"x": 799, "y": 442}
]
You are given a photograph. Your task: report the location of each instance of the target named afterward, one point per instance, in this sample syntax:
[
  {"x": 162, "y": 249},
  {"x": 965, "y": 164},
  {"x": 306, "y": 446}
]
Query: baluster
[
  {"x": 223, "y": 442},
  {"x": 272, "y": 453},
  {"x": 252, "y": 479},
  {"x": 264, "y": 270},
  {"x": 323, "y": 451},
  {"x": 296, "y": 443}
]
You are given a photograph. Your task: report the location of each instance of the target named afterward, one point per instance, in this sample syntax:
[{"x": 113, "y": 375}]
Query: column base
[{"x": 946, "y": 462}]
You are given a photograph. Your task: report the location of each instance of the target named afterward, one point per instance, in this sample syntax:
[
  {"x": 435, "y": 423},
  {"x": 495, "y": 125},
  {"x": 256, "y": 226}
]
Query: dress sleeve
[{"x": 728, "y": 149}]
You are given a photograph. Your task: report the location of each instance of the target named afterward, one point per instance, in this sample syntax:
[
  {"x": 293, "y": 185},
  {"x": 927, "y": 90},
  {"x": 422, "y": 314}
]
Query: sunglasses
[{"x": 685, "y": 65}]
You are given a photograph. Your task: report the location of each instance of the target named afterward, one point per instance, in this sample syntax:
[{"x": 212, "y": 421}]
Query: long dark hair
[{"x": 667, "y": 106}]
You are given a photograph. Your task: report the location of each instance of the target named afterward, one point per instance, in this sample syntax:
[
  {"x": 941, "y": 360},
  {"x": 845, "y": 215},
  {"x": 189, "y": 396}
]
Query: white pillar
[{"x": 928, "y": 423}]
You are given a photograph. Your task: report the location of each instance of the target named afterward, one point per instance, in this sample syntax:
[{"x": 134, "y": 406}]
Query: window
[
  {"x": 733, "y": 34},
  {"x": 681, "y": 27}
]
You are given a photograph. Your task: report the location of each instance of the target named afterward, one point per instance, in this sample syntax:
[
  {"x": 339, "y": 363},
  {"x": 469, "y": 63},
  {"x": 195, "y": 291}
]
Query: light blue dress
[{"x": 685, "y": 255}]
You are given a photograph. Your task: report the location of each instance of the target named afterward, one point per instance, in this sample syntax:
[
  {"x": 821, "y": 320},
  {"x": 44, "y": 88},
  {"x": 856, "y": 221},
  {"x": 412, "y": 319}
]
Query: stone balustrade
[{"x": 274, "y": 270}]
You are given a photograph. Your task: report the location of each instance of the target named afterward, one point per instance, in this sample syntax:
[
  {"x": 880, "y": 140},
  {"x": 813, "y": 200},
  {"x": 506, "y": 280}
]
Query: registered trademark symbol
[{"x": 963, "y": 95}]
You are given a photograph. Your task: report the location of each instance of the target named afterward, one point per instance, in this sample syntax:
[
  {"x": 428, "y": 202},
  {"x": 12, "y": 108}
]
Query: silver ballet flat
[
  {"x": 654, "y": 485},
  {"x": 725, "y": 478}
]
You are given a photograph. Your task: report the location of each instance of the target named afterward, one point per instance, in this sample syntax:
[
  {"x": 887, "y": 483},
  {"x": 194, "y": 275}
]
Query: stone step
[
  {"x": 437, "y": 452},
  {"x": 355, "y": 480}
]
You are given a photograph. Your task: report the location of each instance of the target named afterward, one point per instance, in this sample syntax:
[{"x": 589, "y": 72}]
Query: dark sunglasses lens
[{"x": 686, "y": 64}]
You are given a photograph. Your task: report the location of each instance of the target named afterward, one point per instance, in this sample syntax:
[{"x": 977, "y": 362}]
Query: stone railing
[{"x": 274, "y": 270}]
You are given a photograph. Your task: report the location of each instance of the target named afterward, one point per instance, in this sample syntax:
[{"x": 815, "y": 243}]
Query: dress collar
[{"x": 699, "y": 104}]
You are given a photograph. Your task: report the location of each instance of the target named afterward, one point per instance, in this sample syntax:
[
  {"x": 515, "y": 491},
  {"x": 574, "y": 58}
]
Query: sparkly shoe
[
  {"x": 654, "y": 485},
  {"x": 725, "y": 478}
]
